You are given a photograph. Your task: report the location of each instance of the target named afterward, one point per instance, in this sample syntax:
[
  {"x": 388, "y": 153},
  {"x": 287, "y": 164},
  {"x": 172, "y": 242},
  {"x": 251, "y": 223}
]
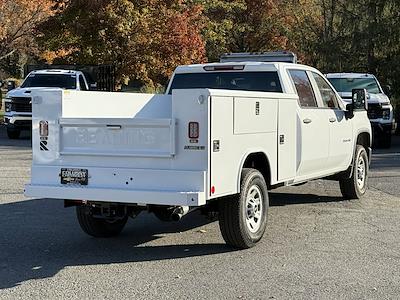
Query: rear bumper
[
  {"x": 172, "y": 198},
  {"x": 122, "y": 185}
]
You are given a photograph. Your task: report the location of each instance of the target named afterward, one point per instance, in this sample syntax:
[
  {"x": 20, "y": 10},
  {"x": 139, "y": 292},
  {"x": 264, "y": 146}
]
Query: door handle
[
  {"x": 307, "y": 121},
  {"x": 114, "y": 127},
  {"x": 332, "y": 120}
]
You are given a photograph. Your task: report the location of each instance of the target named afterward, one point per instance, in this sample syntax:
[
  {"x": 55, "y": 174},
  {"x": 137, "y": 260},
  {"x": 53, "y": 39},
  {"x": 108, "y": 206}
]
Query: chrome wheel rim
[
  {"x": 361, "y": 173},
  {"x": 254, "y": 208}
]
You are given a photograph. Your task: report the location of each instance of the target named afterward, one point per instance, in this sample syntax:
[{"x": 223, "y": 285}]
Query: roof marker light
[{"x": 224, "y": 68}]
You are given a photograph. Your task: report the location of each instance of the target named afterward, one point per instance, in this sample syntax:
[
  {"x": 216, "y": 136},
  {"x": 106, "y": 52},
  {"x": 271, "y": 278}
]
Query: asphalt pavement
[{"x": 317, "y": 245}]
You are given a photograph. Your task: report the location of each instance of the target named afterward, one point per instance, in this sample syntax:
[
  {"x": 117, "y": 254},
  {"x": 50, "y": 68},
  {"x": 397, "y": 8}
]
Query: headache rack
[{"x": 274, "y": 56}]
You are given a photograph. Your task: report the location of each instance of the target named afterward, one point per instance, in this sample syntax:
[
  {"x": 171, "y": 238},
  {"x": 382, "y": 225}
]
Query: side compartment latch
[{"x": 216, "y": 146}]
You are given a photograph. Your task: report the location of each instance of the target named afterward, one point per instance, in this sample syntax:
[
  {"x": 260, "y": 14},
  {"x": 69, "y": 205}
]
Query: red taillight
[
  {"x": 193, "y": 130},
  {"x": 43, "y": 128}
]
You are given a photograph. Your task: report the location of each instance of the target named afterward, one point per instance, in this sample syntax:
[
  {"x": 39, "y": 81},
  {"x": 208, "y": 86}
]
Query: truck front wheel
[
  {"x": 99, "y": 227},
  {"x": 243, "y": 217},
  {"x": 356, "y": 186}
]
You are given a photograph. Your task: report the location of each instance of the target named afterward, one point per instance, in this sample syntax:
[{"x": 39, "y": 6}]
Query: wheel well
[
  {"x": 259, "y": 161},
  {"x": 364, "y": 140}
]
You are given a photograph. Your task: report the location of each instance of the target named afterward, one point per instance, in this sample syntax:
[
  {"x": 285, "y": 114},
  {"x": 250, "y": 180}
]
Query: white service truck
[
  {"x": 380, "y": 110},
  {"x": 18, "y": 102},
  {"x": 219, "y": 139}
]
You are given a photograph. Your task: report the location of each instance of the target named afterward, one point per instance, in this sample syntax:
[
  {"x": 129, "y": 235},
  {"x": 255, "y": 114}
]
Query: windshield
[
  {"x": 346, "y": 85},
  {"x": 245, "y": 81},
  {"x": 51, "y": 80}
]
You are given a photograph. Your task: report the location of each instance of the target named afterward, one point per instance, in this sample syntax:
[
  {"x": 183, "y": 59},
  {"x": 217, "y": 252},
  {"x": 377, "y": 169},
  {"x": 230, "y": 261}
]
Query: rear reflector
[
  {"x": 193, "y": 130},
  {"x": 212, "y": 189}
]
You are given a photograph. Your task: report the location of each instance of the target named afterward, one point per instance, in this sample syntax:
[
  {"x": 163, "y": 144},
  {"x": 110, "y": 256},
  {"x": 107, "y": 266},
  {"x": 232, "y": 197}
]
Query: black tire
[
  {"x": 13, "y": 134},
  {"x": 233, "y": 212},
  {"x": 387, "y": 140},
  {"x": 100, "y": 228},
  {"x": 350, "y": 187}
]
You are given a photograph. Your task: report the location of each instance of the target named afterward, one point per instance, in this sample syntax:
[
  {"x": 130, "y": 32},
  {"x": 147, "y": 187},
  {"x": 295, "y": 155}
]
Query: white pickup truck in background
[
  {"x": 18, "y": 106},
  {"x": 222, "y": 135},
  {"x": 380, "y": 110}
]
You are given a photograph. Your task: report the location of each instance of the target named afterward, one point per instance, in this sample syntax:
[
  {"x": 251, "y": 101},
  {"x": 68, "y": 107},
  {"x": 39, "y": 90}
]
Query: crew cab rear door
[
  {"x": 312, "y": 130},
  {"x": 340, "y": 128}
]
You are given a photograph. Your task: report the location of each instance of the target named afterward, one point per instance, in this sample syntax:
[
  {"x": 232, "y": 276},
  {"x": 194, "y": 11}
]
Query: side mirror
[
  {"x": 359, "y": 99},
  {"x": 349, "y": 111},
  {"x": 387, "y": 90}
]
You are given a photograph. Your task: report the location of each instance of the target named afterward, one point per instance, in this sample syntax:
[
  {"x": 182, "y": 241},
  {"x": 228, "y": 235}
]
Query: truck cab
[
  {"x": 380, "y": 110},
  {"x": 18, "y": 102}
]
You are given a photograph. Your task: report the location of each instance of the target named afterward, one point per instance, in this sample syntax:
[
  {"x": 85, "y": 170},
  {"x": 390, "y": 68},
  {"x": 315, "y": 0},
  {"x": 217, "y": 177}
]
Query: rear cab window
[
  {"x": 303, "y": 88},
  {"x": 245, "y": 81}
]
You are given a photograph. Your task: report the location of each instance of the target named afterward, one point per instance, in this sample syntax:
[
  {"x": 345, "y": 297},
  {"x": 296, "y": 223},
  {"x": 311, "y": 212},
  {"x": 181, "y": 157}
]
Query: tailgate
[{"x": 129, "y": 148}]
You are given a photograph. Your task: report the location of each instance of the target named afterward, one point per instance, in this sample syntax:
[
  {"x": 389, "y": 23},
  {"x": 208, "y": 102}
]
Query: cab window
[
  {"x": 245, "y": 81},
  {"x": 328, "y": 96},
  {"x": 303, "y": 87}
]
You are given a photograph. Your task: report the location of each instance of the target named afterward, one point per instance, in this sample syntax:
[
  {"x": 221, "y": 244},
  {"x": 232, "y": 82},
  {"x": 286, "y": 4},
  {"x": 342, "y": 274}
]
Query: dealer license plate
[{"x": 74, "y": 176}]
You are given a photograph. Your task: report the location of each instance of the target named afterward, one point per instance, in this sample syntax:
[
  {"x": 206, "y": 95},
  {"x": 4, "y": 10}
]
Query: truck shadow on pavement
[
  {"x": 39, "y": 238},
  {"x": 387, "y": 163},
  {"x": 282, "y": 199}
]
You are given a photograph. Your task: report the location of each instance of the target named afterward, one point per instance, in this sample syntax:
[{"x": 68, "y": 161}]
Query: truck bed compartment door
[
  {"x": 223, "y": 168},
  {"x": 239, "y": 127},
  {"x": 287, "y": 145}
]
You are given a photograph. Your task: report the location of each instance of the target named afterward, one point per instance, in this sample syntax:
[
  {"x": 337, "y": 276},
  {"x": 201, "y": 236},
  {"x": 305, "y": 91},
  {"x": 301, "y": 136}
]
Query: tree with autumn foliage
[
  {"x": 246, "y": 26},
  {"x": 18, "y": 20},
  {"x": 145, "y": 40}
]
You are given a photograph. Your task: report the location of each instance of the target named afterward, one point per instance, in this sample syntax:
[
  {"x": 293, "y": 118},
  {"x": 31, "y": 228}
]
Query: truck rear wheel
[
  {"x": 13, "y": 134},
  {"x": 243, "y": 217},
  {"x": 99, "y": 227},
  {"x": 356, "y": 186}
]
